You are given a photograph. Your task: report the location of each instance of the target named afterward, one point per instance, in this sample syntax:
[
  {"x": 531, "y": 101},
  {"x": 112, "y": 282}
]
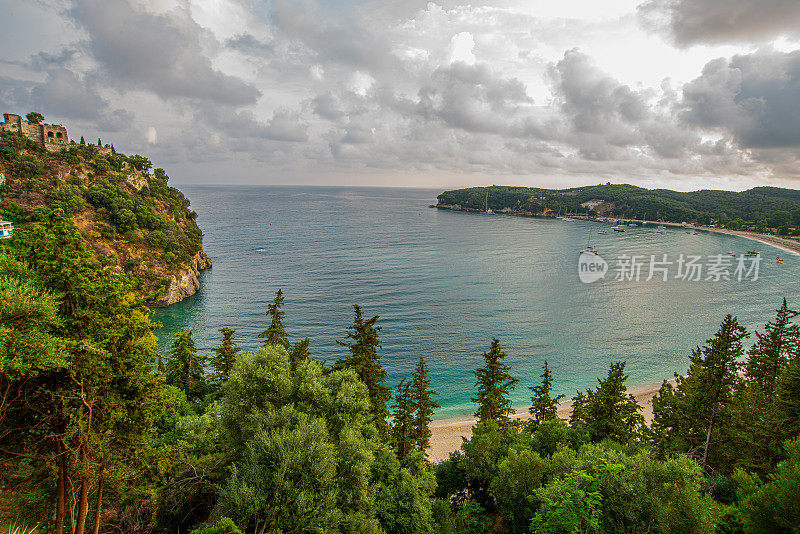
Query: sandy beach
[
  {"x": 447, "y": 434},
  {"x": 783, "y": 243}
]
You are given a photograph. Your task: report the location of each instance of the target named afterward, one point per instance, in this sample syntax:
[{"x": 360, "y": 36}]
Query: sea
[{"x": 445, "y": 283}]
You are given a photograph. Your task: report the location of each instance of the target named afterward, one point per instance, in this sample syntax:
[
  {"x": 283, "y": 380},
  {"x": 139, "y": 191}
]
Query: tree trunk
[
  {"x": 83, "y": 502},
  {"x": 99, "y": 507},
  {"x": 61, "y": 490},
  {"x": 708, "y": 437}
]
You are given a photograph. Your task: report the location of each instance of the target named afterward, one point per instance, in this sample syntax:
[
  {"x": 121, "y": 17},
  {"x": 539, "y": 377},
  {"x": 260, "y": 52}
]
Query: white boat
[
  {"x": 602, "y": 232},
  {"x": 567, "y": 219},
  {"x": 618, "y": 228},
  {"x": 486, "y": 204},
  {"x": 589, "y": 248},
  {"x": 631, "y": 224},
  {"x": 751, "y": 254}
]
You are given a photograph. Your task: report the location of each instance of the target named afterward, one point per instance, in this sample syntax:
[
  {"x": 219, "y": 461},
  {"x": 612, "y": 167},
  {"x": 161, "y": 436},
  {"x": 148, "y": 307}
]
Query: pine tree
[
  {"x": 754, "y": 414},
  {"x": 224, "y": 357},
  {"x": 275, "y": 334},
  {"x": 299, "y": 353},
  {"x": 422, "y": 396},
  {"x": 578, "y": 414},
  {"x": 770, "y": 353},
  {"x": 185, "y": 366},
  {"x": 494, "y": 383},
  {"x": 610, "y": 411},
  {"x": 692, "y": 416},
  {"x": 402, "y": 427},
  {"x": 363, "y": 344},
  {"x": 82, "y": 141},
  {"x": 543, "y": 406},
  {"x": 787, "y": 402}
]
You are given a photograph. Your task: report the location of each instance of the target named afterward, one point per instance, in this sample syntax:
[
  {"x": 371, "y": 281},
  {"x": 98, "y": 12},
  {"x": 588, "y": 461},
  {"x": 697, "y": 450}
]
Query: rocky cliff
[
  {"x": 127, "y": 215},
  {"x": 185, "y": 283}
]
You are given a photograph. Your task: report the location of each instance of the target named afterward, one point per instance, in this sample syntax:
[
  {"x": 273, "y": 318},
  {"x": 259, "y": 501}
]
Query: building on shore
[{"x": 6, "y": 229}]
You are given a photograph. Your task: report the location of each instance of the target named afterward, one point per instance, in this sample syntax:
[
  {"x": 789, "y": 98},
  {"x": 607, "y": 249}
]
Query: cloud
[
  {"x": 755, "y": 98},
  {"x": 162, "y": 53},
  {"x": 692, "y": 22}
]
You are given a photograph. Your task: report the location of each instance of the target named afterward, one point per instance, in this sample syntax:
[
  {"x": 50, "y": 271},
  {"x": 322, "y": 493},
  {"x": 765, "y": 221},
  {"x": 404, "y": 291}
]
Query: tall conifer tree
[
  {"x": 693, "y": 416},
  {"x": 275, "y": 334},
  {"x": 402, "y": 427},
  {"x": 543, "y": 406},
  {"x": 224, "y": 357},
  {"x": 494, "y": 383},
  {"x": 425, "y": 406},
  {"x": 185, "y": 368},
  {"x": 363, "y": 343}
]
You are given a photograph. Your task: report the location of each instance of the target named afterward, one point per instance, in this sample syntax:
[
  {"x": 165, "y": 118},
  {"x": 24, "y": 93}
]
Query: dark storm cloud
[
  {"x": 155, "y": 52},
  {"x": 285, "y": 125},
  {"x": 753, "y": 97},
  {"x": 66, "y": 95},
  {"x": 472, "y": 98},
  {"x": 720, "y": 21}
]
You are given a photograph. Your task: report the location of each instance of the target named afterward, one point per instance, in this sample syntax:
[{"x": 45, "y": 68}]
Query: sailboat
[
  {"x": 589, "y": 248},
  {"x": 486, "y": 204}
]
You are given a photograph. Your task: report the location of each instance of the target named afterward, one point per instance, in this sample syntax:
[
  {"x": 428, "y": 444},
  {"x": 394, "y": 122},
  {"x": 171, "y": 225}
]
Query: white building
[{"x": 6, "y": 229}]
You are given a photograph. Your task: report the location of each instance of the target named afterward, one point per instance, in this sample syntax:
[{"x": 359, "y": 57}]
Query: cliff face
[
  {"x": 185, "y": 283},
  {"x": 131, "y": 218}
]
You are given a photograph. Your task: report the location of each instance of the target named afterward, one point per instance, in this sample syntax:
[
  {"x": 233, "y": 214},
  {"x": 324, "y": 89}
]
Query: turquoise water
[{"x": 445, "y": 282}]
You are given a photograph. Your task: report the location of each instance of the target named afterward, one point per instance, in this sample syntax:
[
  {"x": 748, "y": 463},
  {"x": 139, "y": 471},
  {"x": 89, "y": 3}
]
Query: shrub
[{"x": 28, "y": 166}]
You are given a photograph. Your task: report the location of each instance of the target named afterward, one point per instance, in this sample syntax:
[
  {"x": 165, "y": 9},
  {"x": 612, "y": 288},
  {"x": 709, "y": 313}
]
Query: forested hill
[
  {"x": 766, "y": 206},
  {"x": 129, "y": 217}
]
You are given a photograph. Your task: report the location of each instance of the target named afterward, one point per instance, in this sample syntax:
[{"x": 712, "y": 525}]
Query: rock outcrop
[{"x": 185, "y": 283}]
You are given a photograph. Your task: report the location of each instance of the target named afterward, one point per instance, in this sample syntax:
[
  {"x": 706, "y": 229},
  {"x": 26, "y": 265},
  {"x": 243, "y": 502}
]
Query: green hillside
[{"x": 771, "y": 207}]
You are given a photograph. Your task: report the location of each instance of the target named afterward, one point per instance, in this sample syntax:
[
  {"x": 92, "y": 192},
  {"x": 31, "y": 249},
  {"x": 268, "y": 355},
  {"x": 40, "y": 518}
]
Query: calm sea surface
[{"x": 444, "y": 283}]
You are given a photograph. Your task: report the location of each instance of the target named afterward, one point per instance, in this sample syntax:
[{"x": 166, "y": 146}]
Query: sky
[{"x": 683, "y": 94}]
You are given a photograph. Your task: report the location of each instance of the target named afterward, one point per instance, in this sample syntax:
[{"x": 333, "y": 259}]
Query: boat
[
  {"x": 603, "y": 232},
  {"x": 618, "y": 228},
  {"x": 751, "y": 254},
  {"x": 779, "y": 260},
  {"x": 661, "y": 229},
  {"x": 589, "y": 248},
  {"x": 567, "y": 219},
  {"x": 732, "y": 253},
  {"x": 486, "y": 204},
  {"x": 631, "y": 224}
]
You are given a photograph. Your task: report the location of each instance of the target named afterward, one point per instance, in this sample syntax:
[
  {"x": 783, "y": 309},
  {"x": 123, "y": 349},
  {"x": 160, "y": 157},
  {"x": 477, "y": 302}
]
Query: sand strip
[{"x": 447, "y": 434}]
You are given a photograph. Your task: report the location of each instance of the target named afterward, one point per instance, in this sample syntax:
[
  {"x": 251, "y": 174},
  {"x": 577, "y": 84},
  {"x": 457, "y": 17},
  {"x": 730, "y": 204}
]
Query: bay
[{"x": 444, "y": 283}]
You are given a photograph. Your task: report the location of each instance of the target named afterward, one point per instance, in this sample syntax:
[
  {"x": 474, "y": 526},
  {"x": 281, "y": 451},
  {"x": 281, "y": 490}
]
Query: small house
[{"x": 6, "y": 229}]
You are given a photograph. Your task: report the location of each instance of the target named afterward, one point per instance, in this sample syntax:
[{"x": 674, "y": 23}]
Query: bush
[
  {"x": 68, "y": 198},
  {"x": 223, "y": 526},
  {"x": 28, "y": 166}
]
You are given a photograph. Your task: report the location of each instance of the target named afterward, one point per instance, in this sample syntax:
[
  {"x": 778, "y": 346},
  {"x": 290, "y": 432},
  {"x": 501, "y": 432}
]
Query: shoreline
[{"x": 447, "y": 433}]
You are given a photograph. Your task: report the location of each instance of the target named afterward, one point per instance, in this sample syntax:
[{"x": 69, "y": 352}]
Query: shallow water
[{"x": 444, "y": 283}]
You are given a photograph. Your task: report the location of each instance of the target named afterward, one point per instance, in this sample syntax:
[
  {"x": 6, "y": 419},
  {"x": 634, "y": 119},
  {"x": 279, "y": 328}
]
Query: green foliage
[
  {"x": 774, "y": 507},
  {"x": 29, "y": 166},
  {"x": 570, "y": 505},
  {"x": 275, "y": 334},
  {"x": 140, "y": 163},
  {"x": 694, "y": 415},
  {"x": 363, "y": 343},
  {"x": 305, "y": 443},
  {"x": 494, "y": 383},
  {"x": 34, "y": 117},
  {"x": 756, "y": 205},
  {"x": 68, "y": 198},
  {"x": 543, "y": 406},
  {"x": 185, "y": 368},
  {"x": 224, "y": 358},
  {"x": 223, "y": 526},
  {"x": 425, "y": 406},
  {"x": 609, "y": 412}
]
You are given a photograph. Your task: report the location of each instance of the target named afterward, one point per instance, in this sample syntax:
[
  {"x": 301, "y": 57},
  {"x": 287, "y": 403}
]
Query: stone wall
[{"x": 52, "y": 137}]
